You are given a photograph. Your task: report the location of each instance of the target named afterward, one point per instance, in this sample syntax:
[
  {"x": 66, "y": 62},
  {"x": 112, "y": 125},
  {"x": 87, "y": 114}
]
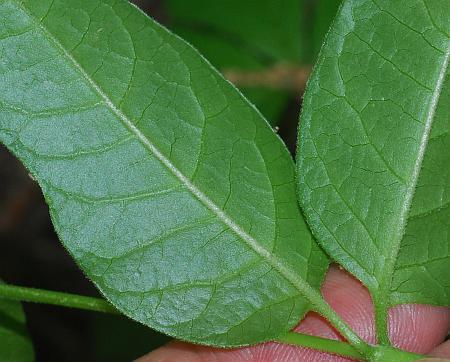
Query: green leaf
[
  {"x": 374, "y": 147},
  {"x": 171, "y": 192},
  {"x": 244, "y": 35},
  {"x": 15, "y": 344}
]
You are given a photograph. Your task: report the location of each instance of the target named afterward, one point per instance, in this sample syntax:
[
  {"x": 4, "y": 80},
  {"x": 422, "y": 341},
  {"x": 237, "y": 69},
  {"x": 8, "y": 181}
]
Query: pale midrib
[
  {"x": 305, "y": 289},
  {"x": 391, "y": 259}
]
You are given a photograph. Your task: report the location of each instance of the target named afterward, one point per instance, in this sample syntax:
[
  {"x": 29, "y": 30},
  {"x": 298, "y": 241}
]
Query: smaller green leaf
[
  {"x": 15, "y": 344},
  {"x": 374, "y": 146}
]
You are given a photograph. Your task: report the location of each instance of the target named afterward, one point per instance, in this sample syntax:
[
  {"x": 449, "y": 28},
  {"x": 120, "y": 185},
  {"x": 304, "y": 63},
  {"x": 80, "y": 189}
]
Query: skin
[{"x": 415, "y": 328}]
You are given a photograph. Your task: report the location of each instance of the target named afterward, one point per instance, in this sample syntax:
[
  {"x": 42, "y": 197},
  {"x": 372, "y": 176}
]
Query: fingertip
[
  {"x": 442, "y": 351},
  {"x": 351, "y": 300},
  {"x": 418, "y": 328},
  {"x": 415, "y": 328},
  {"x": 183, "y": 352},
  {"x": 172, "y": 351}
]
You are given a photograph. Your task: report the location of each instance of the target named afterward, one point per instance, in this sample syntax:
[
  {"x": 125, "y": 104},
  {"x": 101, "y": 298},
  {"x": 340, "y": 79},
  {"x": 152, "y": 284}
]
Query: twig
[
  {"x": 281, "y": 76},
  {"x": 33, "y": 295}
]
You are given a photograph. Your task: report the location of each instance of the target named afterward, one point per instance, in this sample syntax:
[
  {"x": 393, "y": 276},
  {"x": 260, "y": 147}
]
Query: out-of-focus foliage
[
  {"x": 324, "y": 13},
  {"x": 15, "y": 344},
  {"x": 110, "y": 344}
]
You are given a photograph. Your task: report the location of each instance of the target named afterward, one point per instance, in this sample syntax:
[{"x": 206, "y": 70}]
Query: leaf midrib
[{"x": 287, "y": 273}]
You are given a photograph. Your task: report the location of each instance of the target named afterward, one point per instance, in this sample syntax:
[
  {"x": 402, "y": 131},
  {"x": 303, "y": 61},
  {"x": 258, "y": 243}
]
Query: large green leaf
[
  {"x": 171, "y": 192},
  {"x": 15, "y": 344},
  {"x": 374, "y": 150}
]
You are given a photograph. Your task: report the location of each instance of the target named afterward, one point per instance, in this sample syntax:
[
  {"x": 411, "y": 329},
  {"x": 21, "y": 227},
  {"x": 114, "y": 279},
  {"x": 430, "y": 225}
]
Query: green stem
[
  {"x": 33, "y": 295},
  {"x": 378, "y": 353},
  {"x": 358, "y": 349},
  {"x": 321, "y": 344},
  {"x": 326, "y": 311},
  {"x": 381, "y": 319},
  {"x": 388, "y": 354}
]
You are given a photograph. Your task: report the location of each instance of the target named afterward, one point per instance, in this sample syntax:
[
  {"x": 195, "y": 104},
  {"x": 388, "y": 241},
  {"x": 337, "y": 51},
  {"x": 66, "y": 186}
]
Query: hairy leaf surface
[
  {"x": 374, "y": 150},
  {"x": 15, "y": 344},
  {"x": 170, "y": 191}
]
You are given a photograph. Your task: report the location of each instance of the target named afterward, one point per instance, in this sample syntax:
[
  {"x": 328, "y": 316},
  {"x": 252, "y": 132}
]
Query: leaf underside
[
  {"x": 170, "y": 191},
  {"x": 374, "y": 149}
]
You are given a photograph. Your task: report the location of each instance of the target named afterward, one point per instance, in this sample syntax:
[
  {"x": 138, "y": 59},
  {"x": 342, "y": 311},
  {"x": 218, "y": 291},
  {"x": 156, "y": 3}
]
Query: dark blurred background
[{"x": 266, "y": 48}]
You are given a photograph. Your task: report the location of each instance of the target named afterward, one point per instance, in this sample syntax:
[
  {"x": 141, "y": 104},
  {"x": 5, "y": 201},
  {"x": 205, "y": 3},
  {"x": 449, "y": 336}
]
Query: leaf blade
[
  {"x": 363, "y": 138},
  {"x": 135, "y": 146}
]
